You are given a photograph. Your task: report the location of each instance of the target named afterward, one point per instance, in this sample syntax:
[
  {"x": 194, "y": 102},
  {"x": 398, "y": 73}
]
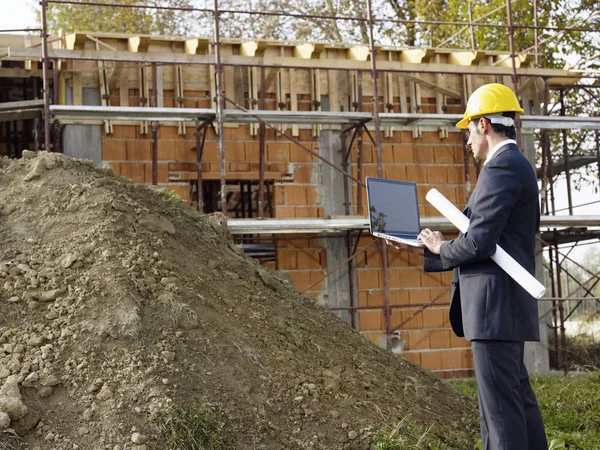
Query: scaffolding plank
[
  {"x": 246, "y": 176},
  {"x": 70, "y": 112},
  {"x": 295, "y": 226}
]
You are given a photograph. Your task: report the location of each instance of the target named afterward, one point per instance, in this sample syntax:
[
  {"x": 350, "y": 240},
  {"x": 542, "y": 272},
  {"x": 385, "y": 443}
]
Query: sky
[{"x": 19, "y": 14}]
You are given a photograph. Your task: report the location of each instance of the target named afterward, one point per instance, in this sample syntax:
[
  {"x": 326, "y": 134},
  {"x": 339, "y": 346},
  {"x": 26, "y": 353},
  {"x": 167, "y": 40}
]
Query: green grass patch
[
  {"x": 172, "y": 201},
  {"x": 570, "y": 407},
  {"x": 201, "y": 426}
]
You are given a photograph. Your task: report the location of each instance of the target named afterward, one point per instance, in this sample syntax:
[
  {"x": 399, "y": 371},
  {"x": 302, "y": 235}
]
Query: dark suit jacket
[{"x": 503, "y": 209}]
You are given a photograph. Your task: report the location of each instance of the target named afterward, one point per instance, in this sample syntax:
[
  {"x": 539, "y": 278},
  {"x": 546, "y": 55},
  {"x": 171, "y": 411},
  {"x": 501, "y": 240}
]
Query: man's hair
[{"x": 509, "y": 132}]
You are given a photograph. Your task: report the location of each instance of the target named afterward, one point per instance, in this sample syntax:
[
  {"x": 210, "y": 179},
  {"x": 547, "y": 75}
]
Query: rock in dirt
[
  {"x": 39, "y": 167},
  {"x": 4, "y": 421},
  {"x": 10, "y": 399},
  {"x": 105, "y": 393},
  {"x": 68, "y": 260},
  {"x": 157, "y": 224},
  {"x": 28, "y": 154},
  {"x": 25, "y": 424},
  {"x": 48, "y": 296},
  {"x": 139, "y": 439}
]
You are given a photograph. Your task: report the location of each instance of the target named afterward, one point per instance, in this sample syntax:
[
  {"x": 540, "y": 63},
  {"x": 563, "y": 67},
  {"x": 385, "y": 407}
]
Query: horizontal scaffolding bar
[
  {"x": 74, "y": 113},
  {"x": 301, "y": 226},
  {"x": 22, "y": 110}
]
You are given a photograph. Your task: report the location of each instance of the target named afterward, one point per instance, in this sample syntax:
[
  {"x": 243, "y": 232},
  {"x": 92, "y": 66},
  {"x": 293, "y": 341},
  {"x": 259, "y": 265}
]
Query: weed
[
  {"x": 201, "y": 426},
  {"x": 172, "y": 199},
  {"x": 406, "y": 435},
  {"x": 293, "y": 335},
  {"x": 10, "y": 441}
]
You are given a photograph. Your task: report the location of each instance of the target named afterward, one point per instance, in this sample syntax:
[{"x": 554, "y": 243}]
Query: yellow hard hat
[{"x": 490, "y": 99}]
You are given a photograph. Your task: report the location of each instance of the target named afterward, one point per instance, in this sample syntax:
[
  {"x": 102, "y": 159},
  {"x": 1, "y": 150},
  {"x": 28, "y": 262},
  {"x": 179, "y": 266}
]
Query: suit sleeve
[
  {"x": 433, "y": 262},
  {"x": 500, "y": 191}
]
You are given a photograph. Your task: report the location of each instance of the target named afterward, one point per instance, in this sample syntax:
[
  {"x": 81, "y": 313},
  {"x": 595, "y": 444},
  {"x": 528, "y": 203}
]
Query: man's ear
[{"x": 485, "y": 125}]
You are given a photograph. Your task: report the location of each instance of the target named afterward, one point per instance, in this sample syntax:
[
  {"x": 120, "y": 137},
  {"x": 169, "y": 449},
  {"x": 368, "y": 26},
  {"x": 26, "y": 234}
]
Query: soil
[{"x": 120, "y": 303}]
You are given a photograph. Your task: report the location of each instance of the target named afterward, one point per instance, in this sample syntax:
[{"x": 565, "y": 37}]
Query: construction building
[{"x": 290, "y": 130}]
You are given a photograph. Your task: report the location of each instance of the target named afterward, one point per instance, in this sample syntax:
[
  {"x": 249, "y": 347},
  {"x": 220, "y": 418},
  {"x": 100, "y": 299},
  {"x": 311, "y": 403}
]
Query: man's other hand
[
  {"x": 405, "y": 247},
  {"x": 432, "y": 239}
]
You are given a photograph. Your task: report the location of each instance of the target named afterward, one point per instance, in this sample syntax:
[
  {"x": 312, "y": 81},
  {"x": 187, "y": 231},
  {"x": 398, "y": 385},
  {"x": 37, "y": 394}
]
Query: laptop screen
[{"x": 393, "y": 206}]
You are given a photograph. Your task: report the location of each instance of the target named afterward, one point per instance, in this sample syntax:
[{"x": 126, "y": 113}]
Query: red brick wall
[{"x": 427, "y": 160}]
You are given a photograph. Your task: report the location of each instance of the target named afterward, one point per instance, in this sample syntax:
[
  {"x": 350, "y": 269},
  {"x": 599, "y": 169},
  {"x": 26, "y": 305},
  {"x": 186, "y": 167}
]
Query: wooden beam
[
  {"x": 77, "y": 89},
  {"x": 359, "y": 53},
  {"x": 124, "y": 87},
  {"x": 465, "y": 58},
  {"x": 416, "y": 55},
  {"x": 99, "y": 42},
  {"x": 308, "y": 51},
  {"x": 137, "y": 44},
  {"x": 289, "y": 62},
  {"x": 74, "y": 41},
  {"x": 253, "y": 48},
  {"x": 196, "y": 46},
  {"x": 440, "y": 100},
  {"x": 428, "y": 84},
  {"x": 14, "y": 72}
]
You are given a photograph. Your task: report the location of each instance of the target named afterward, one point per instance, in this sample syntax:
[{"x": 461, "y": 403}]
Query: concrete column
[
  {"x": 537, "y": 358},
  {"x": 336, "y": 292}
]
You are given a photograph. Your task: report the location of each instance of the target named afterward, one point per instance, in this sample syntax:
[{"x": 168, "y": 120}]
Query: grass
[
  {"x": 406, "y": 435},
  {"x": 200, "y": 426},
  {"x": 583, "y": 352},
  {"x": 570, "y": 407}
]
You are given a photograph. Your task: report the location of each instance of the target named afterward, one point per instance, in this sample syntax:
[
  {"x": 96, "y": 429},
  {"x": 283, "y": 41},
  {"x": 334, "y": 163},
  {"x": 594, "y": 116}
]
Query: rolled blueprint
[{"x": 503, "y": 259}]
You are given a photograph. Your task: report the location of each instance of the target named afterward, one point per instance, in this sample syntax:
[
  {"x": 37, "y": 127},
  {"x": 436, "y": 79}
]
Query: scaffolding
[{"x": 354, "y": 126}]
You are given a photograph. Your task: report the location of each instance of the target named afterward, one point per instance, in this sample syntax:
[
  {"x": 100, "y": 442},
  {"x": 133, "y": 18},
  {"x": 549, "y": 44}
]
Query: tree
[{"x": 71, "y": 17}]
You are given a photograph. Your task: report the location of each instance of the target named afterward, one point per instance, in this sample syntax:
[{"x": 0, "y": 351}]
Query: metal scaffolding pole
[
  {"x": 376, "y": 123},
  {"x": 45, "y": 71},
  {"x": 219, "y": 115},
  {"x": 154, "y": 126},
  {"x": 515, "y": 78},
  {"x": 536, "y": 36},
  {"x": 561, "y": 313},
  {"x": 359, "y": 146},
  {"x": 261, "y": 147},
  {"x": 566, "y": 153}
]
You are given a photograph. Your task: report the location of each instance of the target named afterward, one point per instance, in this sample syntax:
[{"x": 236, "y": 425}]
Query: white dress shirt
[{"x": 496, "y": 147}]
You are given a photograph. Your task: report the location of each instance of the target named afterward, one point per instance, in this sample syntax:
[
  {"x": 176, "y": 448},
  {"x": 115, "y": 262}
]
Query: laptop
[{"x": 394, "y": 210}]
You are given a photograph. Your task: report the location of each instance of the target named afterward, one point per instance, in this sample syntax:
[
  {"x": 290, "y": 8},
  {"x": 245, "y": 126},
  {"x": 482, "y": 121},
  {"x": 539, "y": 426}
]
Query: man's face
[{"x": 477, "y": 141}]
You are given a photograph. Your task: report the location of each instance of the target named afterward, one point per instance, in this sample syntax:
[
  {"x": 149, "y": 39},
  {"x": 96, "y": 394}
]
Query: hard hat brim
[{"x": 463, "y": 124}]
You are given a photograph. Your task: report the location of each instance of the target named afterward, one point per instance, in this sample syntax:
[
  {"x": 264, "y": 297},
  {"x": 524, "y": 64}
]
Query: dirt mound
[{"x": 122, "y": 310}]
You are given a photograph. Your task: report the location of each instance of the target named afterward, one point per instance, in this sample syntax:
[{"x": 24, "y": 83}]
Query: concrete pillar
[
  {"x": 84, "y": 141},
  {"x": 537, "y": 358},
  {"x": 336, "y": 292}
]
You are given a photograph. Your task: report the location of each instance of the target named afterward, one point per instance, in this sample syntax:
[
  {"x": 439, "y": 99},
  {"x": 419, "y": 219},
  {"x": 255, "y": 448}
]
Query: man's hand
[
  {"x": 405, "y": 247},
  {"x": 432, "y": 240}
]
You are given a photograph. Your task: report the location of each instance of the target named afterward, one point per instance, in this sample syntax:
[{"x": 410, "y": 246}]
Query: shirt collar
[{"x": 496, "y": 147}]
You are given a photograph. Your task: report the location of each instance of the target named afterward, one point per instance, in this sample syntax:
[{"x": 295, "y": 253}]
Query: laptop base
[{"x": 411, "y": 242}]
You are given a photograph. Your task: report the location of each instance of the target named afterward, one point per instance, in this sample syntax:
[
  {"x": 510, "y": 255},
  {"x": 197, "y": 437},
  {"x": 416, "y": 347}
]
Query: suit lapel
[{"x": 509, "y": 146}]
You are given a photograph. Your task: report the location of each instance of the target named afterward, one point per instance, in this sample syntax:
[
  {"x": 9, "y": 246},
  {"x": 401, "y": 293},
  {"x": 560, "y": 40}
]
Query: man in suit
[{"x": 487, "y": 306}]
